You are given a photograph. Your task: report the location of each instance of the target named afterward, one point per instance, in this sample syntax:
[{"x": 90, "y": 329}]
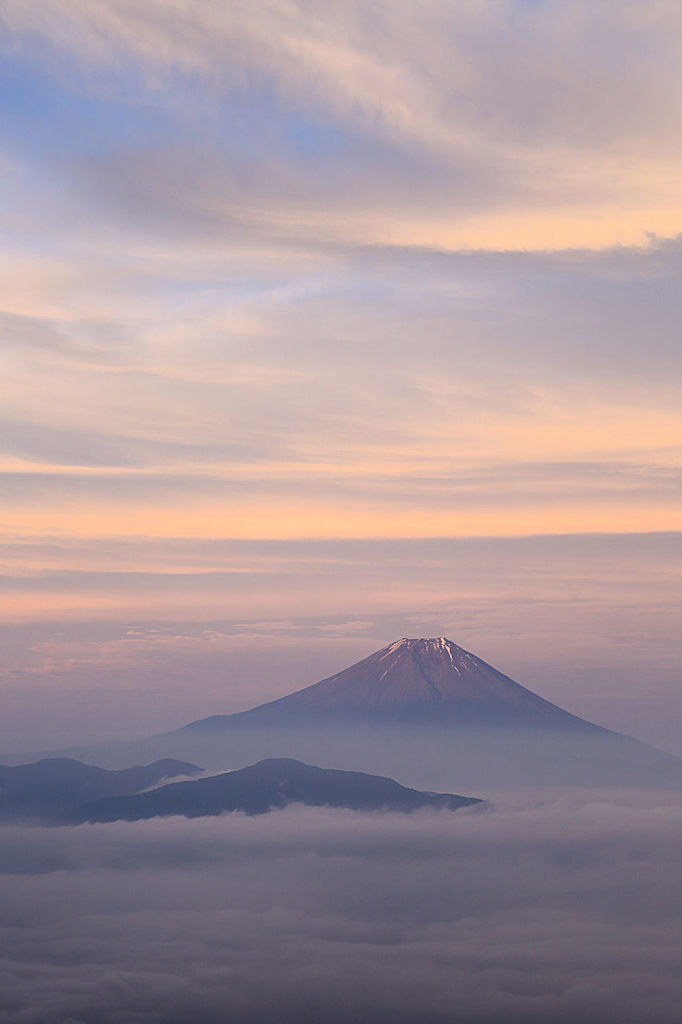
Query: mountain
[
  {"x": 46, "y": 789},
  {"x": 412, "y": 681},
  {"x": 270, "y": 784},
  {"x": 427, "y": 713}
]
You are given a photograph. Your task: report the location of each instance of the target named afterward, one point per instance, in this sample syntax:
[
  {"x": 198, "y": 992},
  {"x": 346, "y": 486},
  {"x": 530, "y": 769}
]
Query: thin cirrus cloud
[
  {"x": 279, "y": 271},
  {"x": 315, "y": 376},
  {"x": 546, "y": 117}
]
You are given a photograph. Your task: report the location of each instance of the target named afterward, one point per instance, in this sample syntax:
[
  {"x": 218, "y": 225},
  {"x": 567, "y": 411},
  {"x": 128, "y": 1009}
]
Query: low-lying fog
[
  {"x": 548, "y": 905},
  {"x": 452, "y": 760}
]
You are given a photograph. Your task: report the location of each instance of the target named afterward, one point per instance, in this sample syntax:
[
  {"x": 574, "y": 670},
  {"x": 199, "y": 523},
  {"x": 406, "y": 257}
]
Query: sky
[{"x": 324, "y": 324}]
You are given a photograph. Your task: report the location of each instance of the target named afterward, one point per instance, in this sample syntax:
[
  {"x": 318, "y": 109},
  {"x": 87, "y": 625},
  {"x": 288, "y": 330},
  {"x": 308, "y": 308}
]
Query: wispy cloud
[
  {"x": 280, "y": 271},
  {"x": 500, "y": 115}
]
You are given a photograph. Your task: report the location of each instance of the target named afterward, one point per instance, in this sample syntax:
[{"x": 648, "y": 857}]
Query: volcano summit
[
  {"x": 411, "y": 681},
  {"x": 431, "y": 714},
  {"x": 427, "y": 713}
]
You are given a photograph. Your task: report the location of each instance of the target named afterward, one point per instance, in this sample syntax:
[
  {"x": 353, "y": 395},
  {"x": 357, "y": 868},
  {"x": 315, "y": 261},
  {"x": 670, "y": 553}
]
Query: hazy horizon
[{"x": 588, "y": 622}]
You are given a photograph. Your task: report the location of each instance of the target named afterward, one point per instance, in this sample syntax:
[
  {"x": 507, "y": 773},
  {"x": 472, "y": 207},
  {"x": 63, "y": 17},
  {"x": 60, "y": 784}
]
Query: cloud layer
[
  {"x": 465, "y": 124},
  {"x": 544, "y": 907},
  {"x": 280, "y": 271}
]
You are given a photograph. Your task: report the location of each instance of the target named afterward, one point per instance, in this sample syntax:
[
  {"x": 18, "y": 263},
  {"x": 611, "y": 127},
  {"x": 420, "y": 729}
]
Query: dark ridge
[
  {"x": 268, "y": 785},
  {"x": 46, "y": 789}
]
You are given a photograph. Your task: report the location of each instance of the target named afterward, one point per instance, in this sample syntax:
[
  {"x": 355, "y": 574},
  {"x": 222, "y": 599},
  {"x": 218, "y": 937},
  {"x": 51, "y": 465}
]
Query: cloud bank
[{"x": 545, "y": 907}]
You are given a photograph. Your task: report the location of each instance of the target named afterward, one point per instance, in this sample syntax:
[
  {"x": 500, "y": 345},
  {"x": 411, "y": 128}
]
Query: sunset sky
[{"x": 325, "y": 323}]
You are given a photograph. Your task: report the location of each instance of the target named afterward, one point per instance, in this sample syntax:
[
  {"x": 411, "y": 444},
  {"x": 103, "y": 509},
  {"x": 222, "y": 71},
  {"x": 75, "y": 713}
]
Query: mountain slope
[
  {"x": 272, "y": 783},
  {"x": 411, "y": 681},
  {"x": 423, "y": 711},
  {"x": 45, "y": 789}
]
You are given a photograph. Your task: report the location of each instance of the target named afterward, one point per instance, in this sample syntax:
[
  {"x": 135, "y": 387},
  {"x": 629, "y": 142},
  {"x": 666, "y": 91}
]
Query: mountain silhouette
[
  {"x": 45, "y": 789},
  {"x": 272, "y": 783},
  {"x": 411, "y": 681},
  {"x": 423, "y": 711}
]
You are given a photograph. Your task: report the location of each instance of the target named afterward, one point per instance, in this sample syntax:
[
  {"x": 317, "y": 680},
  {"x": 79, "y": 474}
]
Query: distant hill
[
  {"x": 45, "y": 789},
  {"x": 270, "y": 784}
]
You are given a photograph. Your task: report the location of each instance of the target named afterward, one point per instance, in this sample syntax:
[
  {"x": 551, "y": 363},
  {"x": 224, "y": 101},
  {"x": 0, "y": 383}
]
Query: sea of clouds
[{"x": 545, "y": 906}]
